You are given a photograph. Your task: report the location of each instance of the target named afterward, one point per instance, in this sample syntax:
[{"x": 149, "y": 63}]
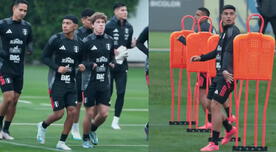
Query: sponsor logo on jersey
[
  {"x": 15, "y": 50},
  {"x": 15, "y": 58},
  {"x": 76, "y": 49},
  {"x": 25, "y": 31},
  {"x": 100, "y": 68},
  {"x": 93, "y": 48},
  {"x": 115, "y": 30},
  {"x": 101, "y": 59},
  {"x": 9, "y": 31},
  {"x": 108, "y": 46},
  {"x": 16, "y": 41},
  {"x": 62, "y": 47},
  {"x": 100, "y": 76},
  {"x": 68, "y": 60},
  {"x": 65, "y": 78}
]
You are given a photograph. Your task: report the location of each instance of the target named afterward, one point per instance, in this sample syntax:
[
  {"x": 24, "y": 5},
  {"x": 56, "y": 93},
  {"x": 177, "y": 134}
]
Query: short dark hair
[
  {"x": 118, "y": 5},
  {"x": 87, "y": 12},
  {"x": 73, "y": 18},
  {"x": 229, "y": 7},
  {"x": 205, "y": 10},
  {"x": 16, "y": 2},
  {"x": 98, "y": 15}
]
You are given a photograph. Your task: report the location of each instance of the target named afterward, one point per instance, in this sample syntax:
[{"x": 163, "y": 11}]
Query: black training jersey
[
  {"x": 15, "y": 38},
  {"x": 83, "y": 32},
  {"x": 224, "y": 50},
  {"x": 143, "y": 37},
  {"x": 98, "y": 49},
  {"x": 121, "y": 34},
  {"x": 61, "y": 51}
]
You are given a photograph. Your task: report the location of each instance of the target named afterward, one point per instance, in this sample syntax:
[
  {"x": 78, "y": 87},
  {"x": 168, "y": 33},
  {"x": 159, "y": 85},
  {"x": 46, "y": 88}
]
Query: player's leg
[
  {"x": 75, "y": 128},
  {"x": 121, "y": 82},
  {"x": 273, "y": 24}
]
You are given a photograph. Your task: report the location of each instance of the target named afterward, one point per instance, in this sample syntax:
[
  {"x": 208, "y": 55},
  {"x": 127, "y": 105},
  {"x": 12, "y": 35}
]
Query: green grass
[
  {"x": 159, "y": 39},
  {"x": 165, "y": 138},
  {"x": 129, "y": 138}
]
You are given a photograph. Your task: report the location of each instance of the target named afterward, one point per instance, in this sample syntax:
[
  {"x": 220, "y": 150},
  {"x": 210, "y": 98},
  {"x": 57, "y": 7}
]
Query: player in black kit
[
  {"x": 82, "y": 32},
  {"x": 121, "y": 31},
  {"x": 62, "y": 54},
  {"x": 99, "y": 57},
  {"x": 223, "y": 84},
  {"x": 15, "y": 39}
]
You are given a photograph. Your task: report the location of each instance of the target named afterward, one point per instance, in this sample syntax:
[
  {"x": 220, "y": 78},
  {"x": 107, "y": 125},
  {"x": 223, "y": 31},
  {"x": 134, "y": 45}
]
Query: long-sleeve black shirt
[
  {"x": 98, "y": 49},
  {"x": 122, "y": 35},
  {"x": 224, "y": 50},
  {"x": 61, "y": 51},
  {"x": 143, "y": 37},
  {"x": 15, "y": 38}
]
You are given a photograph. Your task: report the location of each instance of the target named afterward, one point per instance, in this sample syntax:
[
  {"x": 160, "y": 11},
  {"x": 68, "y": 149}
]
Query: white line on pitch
[
  {"x": 55, "y": 124},
  {"x": 27, "y": 145}
]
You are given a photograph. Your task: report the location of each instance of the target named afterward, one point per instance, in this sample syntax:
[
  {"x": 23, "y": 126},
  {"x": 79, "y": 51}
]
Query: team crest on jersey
[
  {"x": 108, "y": 46},
  {"x": 25, "y": 31},
  {"x": 76, "y": 49}
]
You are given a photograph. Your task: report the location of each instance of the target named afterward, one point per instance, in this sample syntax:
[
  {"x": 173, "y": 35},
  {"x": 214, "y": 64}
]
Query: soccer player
[
  {"x": 143, "y": 37},
  {"x": 223, "y": 84},
  {"x": 82, "y": 32},
  {"x": 16, "y": 38},
  {"x": 121, "y": 31},
  {"x": 62, "y": 54},
  {"x": 99, "y": 57}
]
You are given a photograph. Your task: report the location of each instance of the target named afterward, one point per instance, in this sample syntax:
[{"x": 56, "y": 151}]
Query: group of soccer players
[{"x": 83, "y": 63}]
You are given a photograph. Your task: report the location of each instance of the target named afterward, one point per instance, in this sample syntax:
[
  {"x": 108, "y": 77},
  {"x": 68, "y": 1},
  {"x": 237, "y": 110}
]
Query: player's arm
[
  {"x": 48, "y": 52},
  {"x": 80, "y": 55},
  {"x": 29, "y": 46},
  {"x": 112, "y": 57},
  {"x": 131, "y": 43},
  {"x": 204, "y": 57},
  {"x": 3, "y": 54},
  {"x": 143, "y": 37}
]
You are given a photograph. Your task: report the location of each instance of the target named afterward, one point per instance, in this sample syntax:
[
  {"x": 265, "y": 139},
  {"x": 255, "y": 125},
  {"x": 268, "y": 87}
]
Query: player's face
[
  {"x": 19, "y": 11},
  {"x": 121, "y": 12},
  {"x": 198, "y": 14},
  {"x": 68, "y": 26},
  {"x": 86, "y": 22},
  {"x": 99, "y": 26},
  {"x": 228, "y": 16}
]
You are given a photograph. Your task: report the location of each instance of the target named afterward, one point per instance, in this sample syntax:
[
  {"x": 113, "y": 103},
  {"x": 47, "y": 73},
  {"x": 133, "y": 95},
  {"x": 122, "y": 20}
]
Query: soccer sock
[
  {"x": 44, "y": 125},
  {"x": 147, "y": 125},
  {"x": 93, "y": 127},
  {"x": 6, "y": 126},
  {"x": 215, "y": 137},
  {"x": 63, "y": 137},
  {"x": 227, "y": 111},
  {"x": 1, "y": 122},
  {"x": 227, "y": 126},
  {"x": 209, "y": 117},
  {"x": 85, "y": 137}
]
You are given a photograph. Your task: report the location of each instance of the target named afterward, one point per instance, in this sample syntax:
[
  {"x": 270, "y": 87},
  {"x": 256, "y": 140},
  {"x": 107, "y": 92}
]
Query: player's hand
[
  {"x": 81, "y": 67},
  {"x": 195, "y": 58},
  {"x": 228, "y": 76},
  {"x": 112, "y": 65},
  {"x": 94, "y": 66},
  {"x": 63, "y": 69},
  {"x": 116, "y": 52},
  {"x": 133, "y": 43}
]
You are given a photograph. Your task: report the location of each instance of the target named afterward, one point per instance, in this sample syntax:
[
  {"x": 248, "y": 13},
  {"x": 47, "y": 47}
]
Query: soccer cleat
[
  {"x": 206, "y": 126},
  {"x": 40, "y": 137},
  {"x": 115, "y": 123},
  {"x": 232, "y": 119},
  {"x": 62, "y": 146},
  {"x": 1, "y": 136},
  {"x": 75, "y": 132},
  {"x": 6, "y": 135},
  {"x": 210, "y": 147},
  {"x": 228, "y": 135},
  {"x": 87, "y": 144},
  {"x": 146, "y": 129},
  {"x": 93, "y": 137}
]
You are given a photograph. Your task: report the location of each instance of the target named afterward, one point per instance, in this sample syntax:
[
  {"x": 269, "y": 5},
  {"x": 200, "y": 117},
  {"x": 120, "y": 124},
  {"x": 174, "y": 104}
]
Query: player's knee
[
  {"x": 215, "y": 106},
  {"x": 104, "y": 114},
  {"x": 9, "y": 97},
  {"x": 71, "y": 111}
]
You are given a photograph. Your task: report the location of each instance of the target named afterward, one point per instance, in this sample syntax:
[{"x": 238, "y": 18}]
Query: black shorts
[
  {"x": 93, "y": 97},
  {"x": 202, "y": 80},
  {"x": 78, "y": 84},
  {"x": 220, "y": 90},
  {"x": 62, "y": 97},
  {"x": 11, "y": 83}
]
